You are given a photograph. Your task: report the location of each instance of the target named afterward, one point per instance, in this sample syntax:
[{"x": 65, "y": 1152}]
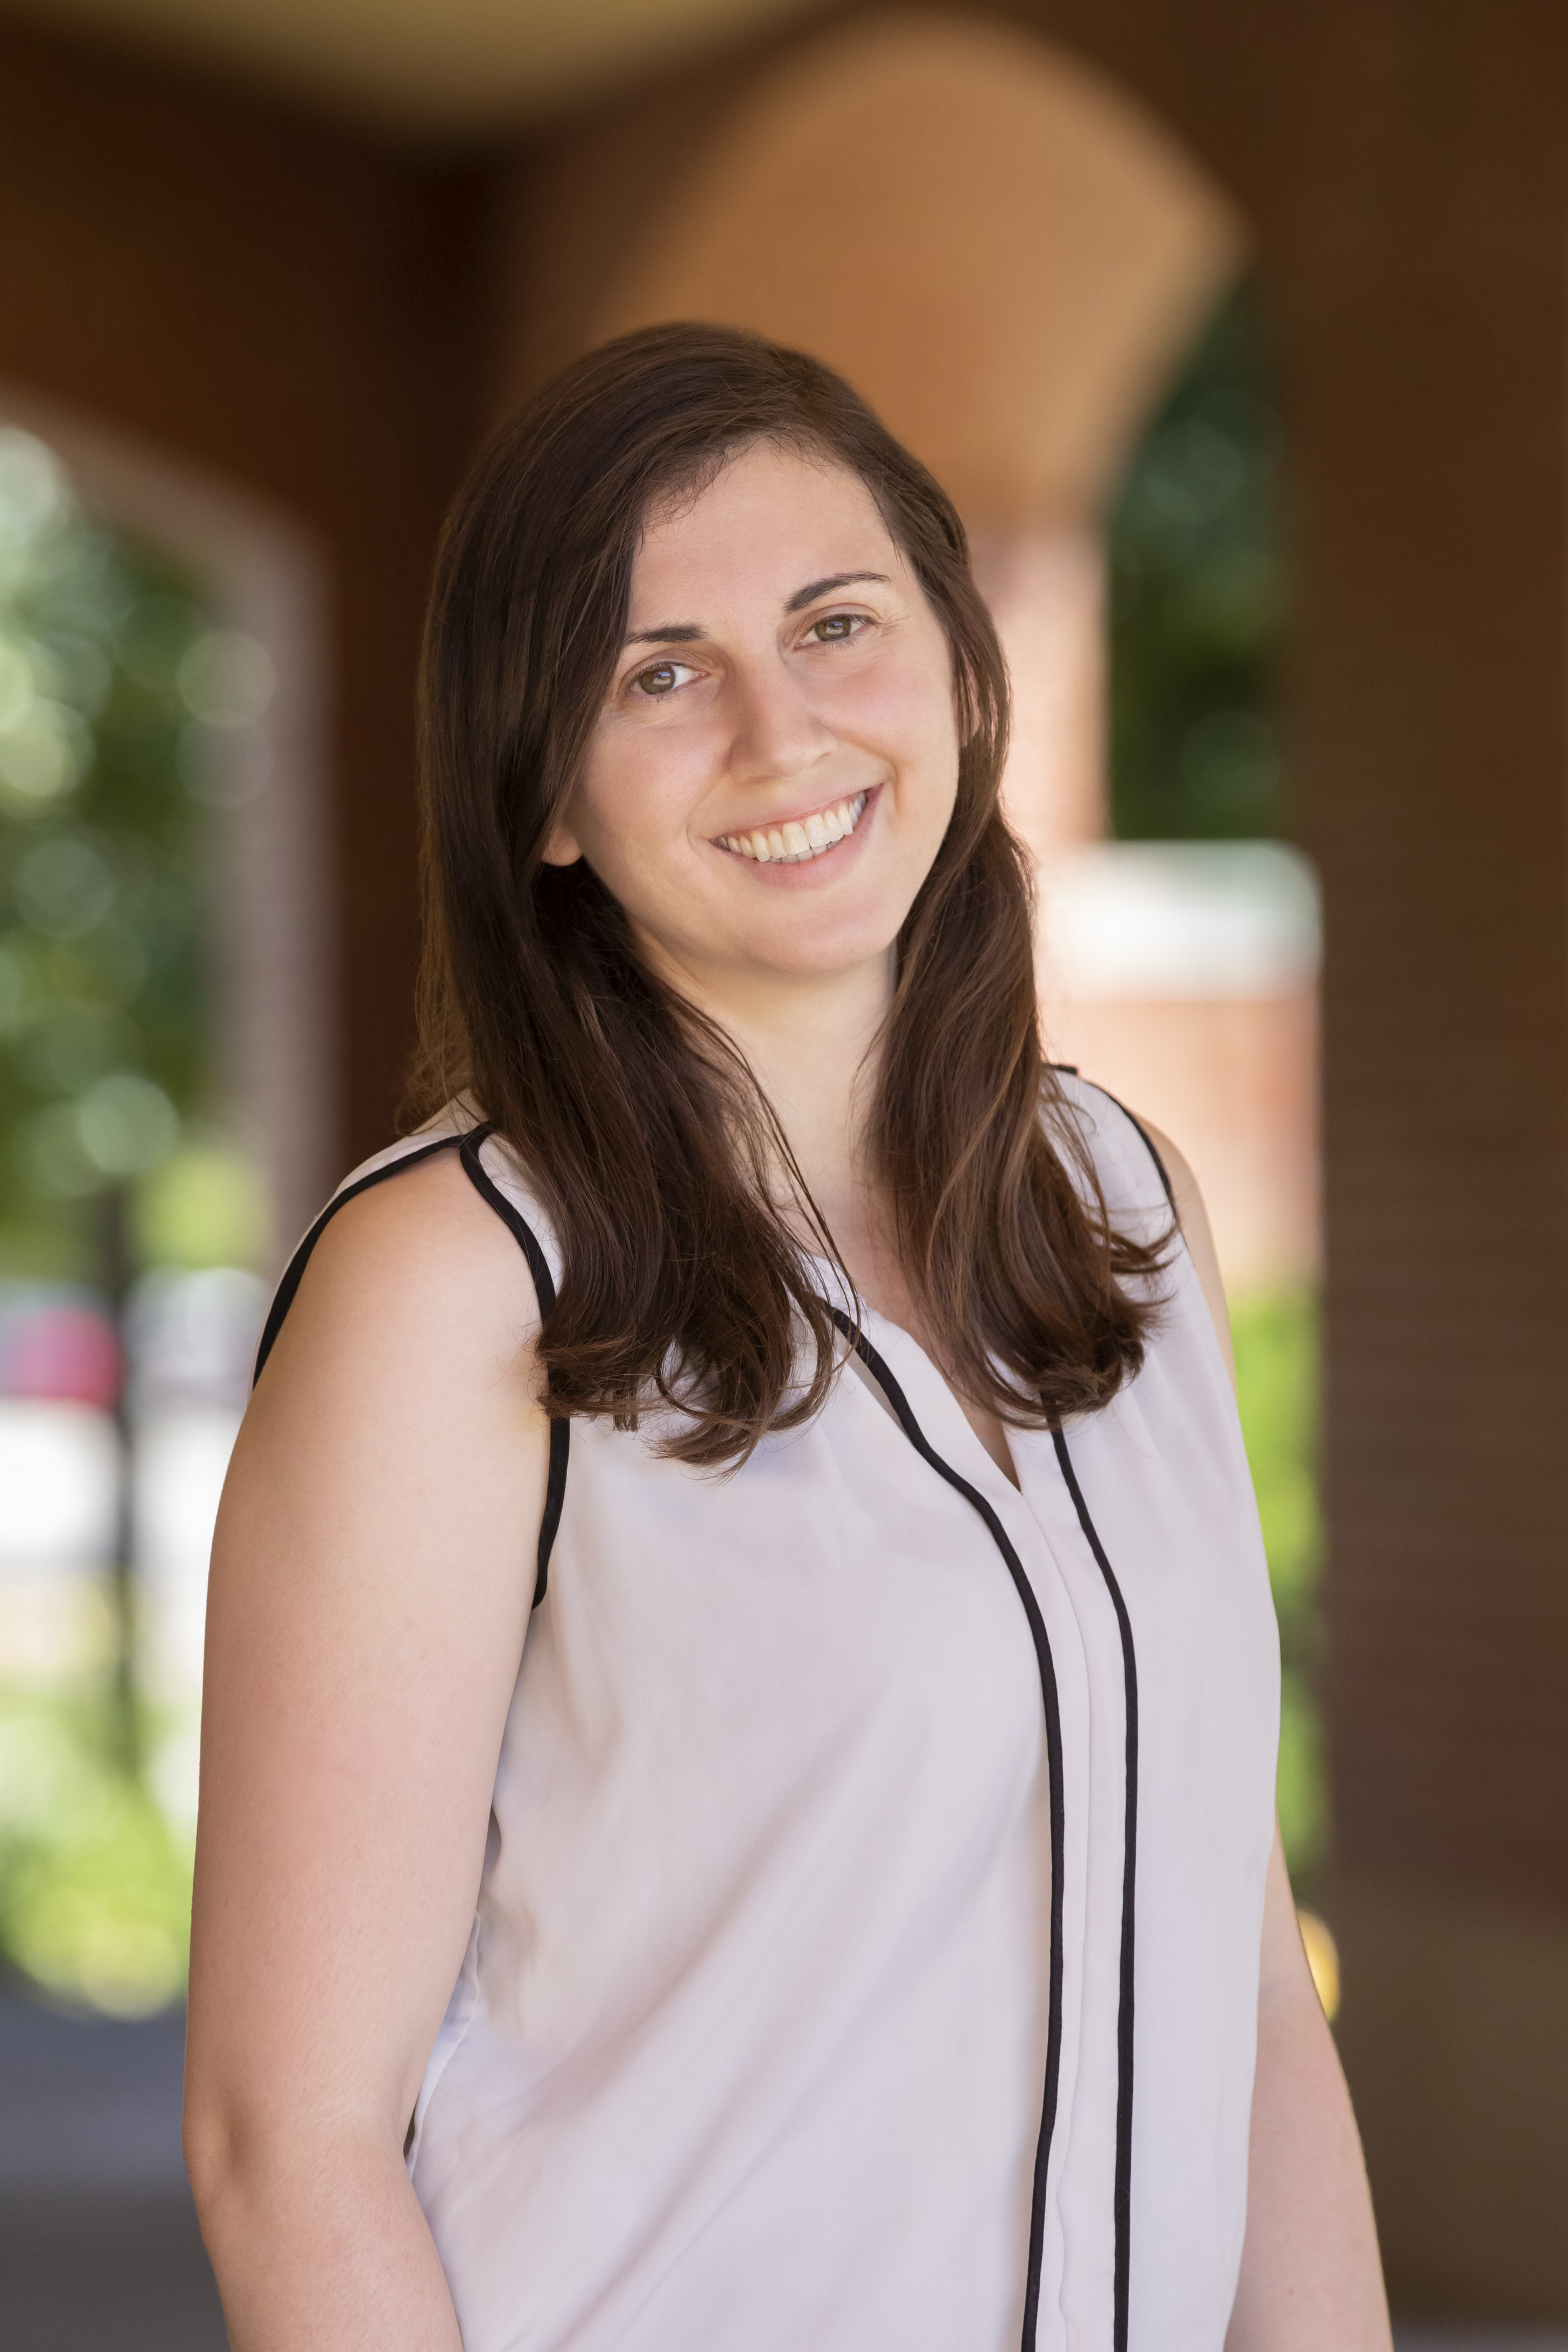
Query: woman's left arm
[
  {"x": 1310, "y": 2275},
  {"x": 1309, "y": 2270}
]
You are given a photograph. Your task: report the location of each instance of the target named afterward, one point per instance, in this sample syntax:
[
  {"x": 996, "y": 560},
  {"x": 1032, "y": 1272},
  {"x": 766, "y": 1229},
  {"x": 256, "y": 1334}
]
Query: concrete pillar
[{"x": 1046, "y": 589}]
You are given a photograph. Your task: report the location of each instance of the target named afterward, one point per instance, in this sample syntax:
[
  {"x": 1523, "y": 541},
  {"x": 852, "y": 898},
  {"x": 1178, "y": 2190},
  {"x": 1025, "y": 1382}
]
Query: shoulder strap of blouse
[
  {"x": 1068, "y": 1070},
  {"x": 468, "y": 1146},
  {"x": 294, "y": 1272}
]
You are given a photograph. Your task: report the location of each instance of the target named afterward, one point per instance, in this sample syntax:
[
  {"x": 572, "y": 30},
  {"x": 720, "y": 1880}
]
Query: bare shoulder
[
  {"x": 414, "y": 1280},
  {"x": 397, "y": 1420},
  {"x": 1197, "y": 1231}
]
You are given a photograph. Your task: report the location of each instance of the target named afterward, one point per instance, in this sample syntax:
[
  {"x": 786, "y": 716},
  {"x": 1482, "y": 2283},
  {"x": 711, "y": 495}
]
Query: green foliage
[
  {"x": 1277, "y": 1379},
  {"x": 1196, "y": 597},
  {"x": 95, "y": 1888},
  {"x": 205, "y": 1205},
  {"x": 106, "y": 706},
  {"x": 117, "y": 697}
]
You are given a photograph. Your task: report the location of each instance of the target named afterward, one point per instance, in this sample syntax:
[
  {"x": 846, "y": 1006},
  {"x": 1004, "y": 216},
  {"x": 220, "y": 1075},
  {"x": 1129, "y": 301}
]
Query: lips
[{"x": 802, "y": 838}]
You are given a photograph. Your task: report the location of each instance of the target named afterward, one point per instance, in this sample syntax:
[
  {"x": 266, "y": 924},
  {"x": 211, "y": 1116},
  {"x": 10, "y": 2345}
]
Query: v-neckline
[{"x": 867, "y": 1313}]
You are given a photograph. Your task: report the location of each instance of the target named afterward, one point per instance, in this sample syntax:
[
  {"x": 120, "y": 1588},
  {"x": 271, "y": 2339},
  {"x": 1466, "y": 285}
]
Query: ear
[{"x": 562, "y": 848}]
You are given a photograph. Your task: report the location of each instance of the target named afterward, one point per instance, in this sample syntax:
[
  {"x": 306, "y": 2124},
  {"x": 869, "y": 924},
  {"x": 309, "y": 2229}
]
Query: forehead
[{"x": 772, "y": 519}]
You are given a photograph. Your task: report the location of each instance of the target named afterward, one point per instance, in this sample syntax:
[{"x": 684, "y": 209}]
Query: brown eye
[
  {"x": 659, "y": 679},
  {"x": 836, "y": 629}
]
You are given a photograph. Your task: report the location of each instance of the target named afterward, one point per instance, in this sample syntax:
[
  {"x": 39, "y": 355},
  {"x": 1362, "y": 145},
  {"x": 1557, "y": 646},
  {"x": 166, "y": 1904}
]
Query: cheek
[
  {"x": 905, "y": 706},
  {"x": 920, "y": 729},
  {"x": 622, "y": 806},
  {"x": 632, "y": 816}
]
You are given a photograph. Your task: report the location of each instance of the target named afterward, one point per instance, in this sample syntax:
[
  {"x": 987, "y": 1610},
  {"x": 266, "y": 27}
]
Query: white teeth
[{"x": 800, "y": 840}]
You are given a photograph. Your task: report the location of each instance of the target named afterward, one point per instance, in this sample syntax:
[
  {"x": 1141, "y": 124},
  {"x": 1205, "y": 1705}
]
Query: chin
[{"x": 820, "y": 956}]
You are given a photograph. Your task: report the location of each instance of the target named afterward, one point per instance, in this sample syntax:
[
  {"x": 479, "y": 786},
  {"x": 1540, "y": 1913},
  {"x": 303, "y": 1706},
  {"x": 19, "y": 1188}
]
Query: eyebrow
[
  {"x": 687, "y": 632},
  {"x": 804, "y": 596}
]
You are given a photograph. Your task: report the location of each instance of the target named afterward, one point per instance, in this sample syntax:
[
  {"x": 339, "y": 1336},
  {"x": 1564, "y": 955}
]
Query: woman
[{"x": 741, "y": 1558}]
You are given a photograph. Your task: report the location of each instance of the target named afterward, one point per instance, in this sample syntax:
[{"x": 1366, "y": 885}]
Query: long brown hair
[{"x": 644, "y": 1134}]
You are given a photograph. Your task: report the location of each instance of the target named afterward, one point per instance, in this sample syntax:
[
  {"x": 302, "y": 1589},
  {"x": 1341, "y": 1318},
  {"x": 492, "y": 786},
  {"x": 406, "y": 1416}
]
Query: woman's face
[{"x": 775, "y": 764}]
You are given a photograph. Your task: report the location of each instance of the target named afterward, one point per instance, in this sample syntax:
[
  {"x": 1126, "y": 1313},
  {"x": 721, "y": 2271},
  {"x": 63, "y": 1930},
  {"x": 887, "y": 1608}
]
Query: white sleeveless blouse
[{"x": 866, "y": 1952}]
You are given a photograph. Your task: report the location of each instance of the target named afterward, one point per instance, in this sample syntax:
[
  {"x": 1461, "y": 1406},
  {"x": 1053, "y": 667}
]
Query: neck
[{"x": 812, "y": 1045}]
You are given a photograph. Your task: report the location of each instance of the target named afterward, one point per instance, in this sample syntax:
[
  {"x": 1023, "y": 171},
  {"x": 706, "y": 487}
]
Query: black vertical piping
[
  {"x": 560, "y": 1428},
  {"x": 912, "y": 1431},
  {"x": 1123, "y": 2204},
  {"x": 1125, "y": 2025}
]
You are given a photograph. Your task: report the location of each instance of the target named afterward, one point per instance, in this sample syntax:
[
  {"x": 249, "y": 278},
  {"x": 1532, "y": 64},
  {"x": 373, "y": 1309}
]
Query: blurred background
[{"x": 1238, "y": 336}]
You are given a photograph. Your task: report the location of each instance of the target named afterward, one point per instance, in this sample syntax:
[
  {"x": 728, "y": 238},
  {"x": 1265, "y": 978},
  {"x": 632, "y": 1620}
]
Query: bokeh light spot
[
  {"x": 227, "y": 680},
  {"x": 34, "y": 492},
  {"x": 126, "y": 1124}
]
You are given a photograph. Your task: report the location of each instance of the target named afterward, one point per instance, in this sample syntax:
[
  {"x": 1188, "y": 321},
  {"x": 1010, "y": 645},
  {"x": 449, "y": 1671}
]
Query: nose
[{"x": 777, "y": 731}]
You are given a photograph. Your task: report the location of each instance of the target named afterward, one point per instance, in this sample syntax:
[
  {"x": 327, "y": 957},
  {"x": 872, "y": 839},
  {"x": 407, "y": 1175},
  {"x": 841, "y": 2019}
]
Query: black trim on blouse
[
  {"x": 294, "y": 1272},
  {"x": 1123, "y": 2205},
  {"x": 903, "y": 1413},
  {"x": 1126, "y": 2021},
  {"x": 560, "y": 1428},
  {"x": 1139, "y": 1127},
  {"x": 468, "y": 1148}
]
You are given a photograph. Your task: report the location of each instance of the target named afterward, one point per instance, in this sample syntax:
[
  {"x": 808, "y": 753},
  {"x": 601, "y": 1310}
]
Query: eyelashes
[
  {"x": 659, "y": 681},
  {"x": 668, "y": 674},
  {"x": 849, "y": 623}
]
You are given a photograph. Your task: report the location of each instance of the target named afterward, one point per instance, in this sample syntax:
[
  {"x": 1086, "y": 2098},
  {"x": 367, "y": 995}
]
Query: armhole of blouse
[
  {"x": 1069, "y": 1069},
  {"x": 467, "y": 1147}
]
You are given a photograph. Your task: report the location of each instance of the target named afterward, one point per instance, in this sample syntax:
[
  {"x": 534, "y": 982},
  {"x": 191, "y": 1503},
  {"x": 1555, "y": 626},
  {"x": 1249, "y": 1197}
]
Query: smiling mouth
[{"x": 802, "y": 838}]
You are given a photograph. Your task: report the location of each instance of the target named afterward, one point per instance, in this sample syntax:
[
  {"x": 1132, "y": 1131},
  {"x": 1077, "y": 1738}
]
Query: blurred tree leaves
[
  {"x": 95, "y": 1884},
  {"x": 1277, "y": 1372},
  {"x": 103, "y": 946},
  {"x": 114, "y": 692}
]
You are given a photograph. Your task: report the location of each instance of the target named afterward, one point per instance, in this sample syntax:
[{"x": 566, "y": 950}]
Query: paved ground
[
  {"x": 1421, "y": 2338},
  {"x": 98, "y": 2245}
]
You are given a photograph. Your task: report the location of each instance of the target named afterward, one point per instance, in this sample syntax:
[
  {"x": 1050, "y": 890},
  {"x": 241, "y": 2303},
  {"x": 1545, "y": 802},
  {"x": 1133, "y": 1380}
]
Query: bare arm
[
  {"x": 1310, "y": 2275},
  {"x": 372, "y": 1577},
  {"x": 1309, "y": 2270}
]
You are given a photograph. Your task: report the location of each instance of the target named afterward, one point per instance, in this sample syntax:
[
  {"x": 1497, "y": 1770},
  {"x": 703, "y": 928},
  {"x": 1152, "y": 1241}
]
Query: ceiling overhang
[{"x": 465, "y": 68}]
